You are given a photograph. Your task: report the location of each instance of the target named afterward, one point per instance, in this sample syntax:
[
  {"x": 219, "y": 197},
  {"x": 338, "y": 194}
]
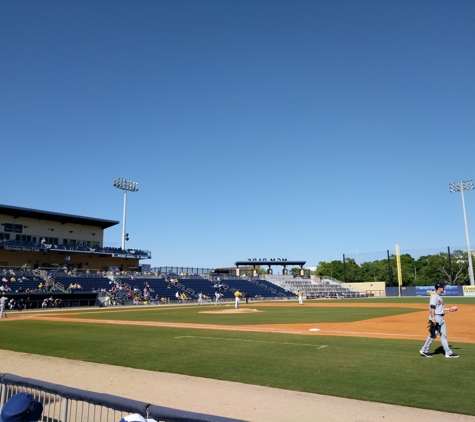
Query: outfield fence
[{"x": 66, "y": 404}]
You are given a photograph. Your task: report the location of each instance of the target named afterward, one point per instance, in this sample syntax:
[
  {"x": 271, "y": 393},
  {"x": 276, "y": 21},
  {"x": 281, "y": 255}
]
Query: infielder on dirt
[{"x": 437, "y": 323}]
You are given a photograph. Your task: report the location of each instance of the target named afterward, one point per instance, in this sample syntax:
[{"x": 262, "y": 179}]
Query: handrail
[{"x": 114, "y": 403}]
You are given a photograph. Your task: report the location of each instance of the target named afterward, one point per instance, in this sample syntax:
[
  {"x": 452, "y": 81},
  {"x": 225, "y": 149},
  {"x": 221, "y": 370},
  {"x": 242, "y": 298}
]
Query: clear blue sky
[{"x": 298, "y": 129}]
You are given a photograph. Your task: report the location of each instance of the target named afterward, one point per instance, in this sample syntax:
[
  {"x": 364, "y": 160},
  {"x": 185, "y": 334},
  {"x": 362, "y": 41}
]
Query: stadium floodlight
[
  {"x": 461, "y": 187},
  {"x": 125, "y": 185}
]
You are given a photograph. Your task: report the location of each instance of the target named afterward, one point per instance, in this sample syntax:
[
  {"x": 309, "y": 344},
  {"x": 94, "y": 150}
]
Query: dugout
[{"x": 68, "y": 299}]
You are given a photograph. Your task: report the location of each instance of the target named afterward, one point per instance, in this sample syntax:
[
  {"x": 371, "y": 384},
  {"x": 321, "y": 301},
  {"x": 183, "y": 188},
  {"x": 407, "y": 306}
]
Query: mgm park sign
[{"x": 269, "y": 262}]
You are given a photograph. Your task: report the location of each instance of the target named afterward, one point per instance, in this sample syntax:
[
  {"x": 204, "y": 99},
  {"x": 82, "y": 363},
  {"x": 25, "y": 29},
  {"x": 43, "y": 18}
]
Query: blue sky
[{"x": 298, "y": 129}]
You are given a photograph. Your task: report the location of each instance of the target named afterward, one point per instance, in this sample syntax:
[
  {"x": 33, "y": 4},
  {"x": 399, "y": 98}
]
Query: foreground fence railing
[{"x": 66, "y": 404}]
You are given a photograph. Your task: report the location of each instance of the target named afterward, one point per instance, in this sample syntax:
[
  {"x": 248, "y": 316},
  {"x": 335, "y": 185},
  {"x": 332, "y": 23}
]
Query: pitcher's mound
[{"x": 231, "y": 311}]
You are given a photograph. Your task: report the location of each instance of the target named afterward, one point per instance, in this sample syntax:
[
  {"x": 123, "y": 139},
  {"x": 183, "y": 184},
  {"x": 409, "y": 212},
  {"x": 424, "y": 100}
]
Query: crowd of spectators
[{"x": 25, "y": 281}]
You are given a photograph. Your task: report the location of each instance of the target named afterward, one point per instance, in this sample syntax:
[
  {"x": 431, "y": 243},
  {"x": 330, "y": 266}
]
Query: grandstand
[
  {"x": 45, "y": 254},
  {"x": 313, "y": 287}
]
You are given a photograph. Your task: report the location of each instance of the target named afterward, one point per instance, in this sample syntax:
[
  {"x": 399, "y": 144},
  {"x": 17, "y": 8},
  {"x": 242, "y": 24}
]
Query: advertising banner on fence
[
  {"x": 426, "y": 290},
  {"x": 469, "y": 290}
]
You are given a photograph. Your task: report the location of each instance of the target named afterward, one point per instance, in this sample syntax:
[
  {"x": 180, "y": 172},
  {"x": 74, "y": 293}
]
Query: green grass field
[{"x": 382, "y": 370}]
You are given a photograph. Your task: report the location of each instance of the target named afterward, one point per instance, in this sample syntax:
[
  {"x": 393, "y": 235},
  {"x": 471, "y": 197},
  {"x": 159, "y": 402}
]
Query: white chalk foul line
[{"x": 318, "y": 346}]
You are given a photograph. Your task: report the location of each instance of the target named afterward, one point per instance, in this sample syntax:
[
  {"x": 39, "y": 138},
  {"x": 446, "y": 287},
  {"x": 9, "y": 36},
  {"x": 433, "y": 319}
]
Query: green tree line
[{"x": 424, "y": 271}]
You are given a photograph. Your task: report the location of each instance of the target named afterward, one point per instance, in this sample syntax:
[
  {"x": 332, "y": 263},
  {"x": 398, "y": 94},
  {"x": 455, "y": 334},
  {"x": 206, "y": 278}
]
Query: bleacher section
[
  {"x": 21, "y": 284},
  {"x": 88, "y": 284},
  {"x": 314, "y": 287},
  {"x": 256, "y": 288},
  {"x": 163, "y": 289},
  {"x": 157, "y": 286},
  {"x": 192, "y": 286}
]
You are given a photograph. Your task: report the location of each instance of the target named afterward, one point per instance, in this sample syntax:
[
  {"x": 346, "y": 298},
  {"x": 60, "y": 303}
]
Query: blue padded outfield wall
[{"x": 423, "y": 291}]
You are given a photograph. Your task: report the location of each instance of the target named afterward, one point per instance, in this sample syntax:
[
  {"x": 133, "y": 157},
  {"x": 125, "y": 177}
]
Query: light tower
[
  {"x": 125, "y": 185},
  {"x": 460, "y": 187}
]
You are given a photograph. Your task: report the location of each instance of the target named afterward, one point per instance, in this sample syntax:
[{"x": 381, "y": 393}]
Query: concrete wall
[{"x": 376, "y": 288}]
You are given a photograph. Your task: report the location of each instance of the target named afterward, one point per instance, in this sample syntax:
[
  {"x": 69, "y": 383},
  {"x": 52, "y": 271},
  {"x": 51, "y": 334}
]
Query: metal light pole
[
  {"x": 125, "y": 185},
  {"x": 460, "y": 187}
]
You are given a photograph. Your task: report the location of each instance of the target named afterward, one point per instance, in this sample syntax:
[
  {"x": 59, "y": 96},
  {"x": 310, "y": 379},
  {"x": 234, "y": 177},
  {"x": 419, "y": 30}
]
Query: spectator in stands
[
  {"x": 246, "y": 295},
  {"x": 21, "y": 407},
  {"x": 5, "y": 280}
]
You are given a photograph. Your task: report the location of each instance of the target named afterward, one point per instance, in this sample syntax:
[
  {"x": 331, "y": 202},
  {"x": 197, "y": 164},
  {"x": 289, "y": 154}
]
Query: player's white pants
[
  {"x": 2, "y": 309},
  {"x": 443, "y": 337},
  {"x": 237, "y": 303},
  {"x": 300, "y": 300}
]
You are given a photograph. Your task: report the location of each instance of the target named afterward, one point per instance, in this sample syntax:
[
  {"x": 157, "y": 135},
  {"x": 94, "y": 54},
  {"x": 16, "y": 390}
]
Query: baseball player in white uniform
[
  {"x": 437, "y": 312},
  {"x": 237, "y": 296},
  {"x": 3, "y": 300}
]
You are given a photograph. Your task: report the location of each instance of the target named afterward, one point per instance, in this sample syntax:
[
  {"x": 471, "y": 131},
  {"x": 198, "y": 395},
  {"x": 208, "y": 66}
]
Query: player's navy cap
[
  {"x": 439, "y": 285},
  {"x": 21, "y": 407}
]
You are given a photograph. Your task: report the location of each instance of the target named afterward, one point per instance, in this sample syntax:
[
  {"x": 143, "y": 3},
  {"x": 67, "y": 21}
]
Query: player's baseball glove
[{"x": 433, "y": 328}]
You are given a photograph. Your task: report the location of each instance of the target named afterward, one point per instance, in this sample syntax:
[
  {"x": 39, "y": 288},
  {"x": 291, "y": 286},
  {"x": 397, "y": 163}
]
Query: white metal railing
[{"x": 66, "y": 404}]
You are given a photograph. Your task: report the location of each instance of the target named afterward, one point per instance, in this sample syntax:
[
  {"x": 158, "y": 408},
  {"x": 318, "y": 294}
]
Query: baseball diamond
[{"x": 320, "y": 340}]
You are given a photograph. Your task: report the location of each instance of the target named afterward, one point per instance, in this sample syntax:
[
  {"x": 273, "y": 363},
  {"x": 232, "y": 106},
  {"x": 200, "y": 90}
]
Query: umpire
[{"x": 437, "y": 323}]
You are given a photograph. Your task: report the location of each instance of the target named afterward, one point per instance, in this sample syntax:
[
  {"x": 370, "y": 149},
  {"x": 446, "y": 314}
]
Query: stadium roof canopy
[
  {"x": 17, "y": 212},
  {"x": 270, "y": 262}
]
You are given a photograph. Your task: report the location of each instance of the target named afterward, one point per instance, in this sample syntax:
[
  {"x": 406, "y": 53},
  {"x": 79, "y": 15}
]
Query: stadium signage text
[
  {"x": 265, "y": 259},
  {"x": 21, "y": 248}
]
